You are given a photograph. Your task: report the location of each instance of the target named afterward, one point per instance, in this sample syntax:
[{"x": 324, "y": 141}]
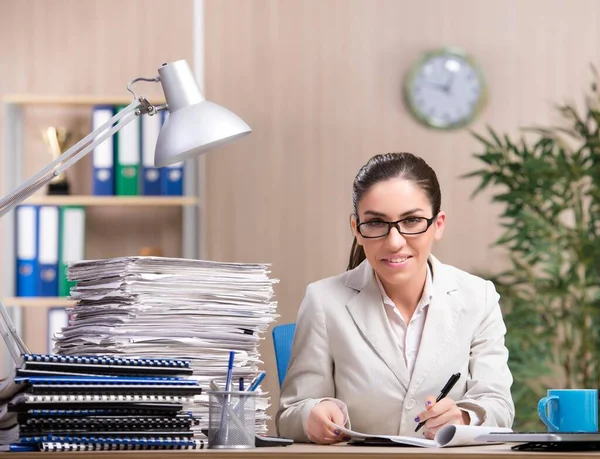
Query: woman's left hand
[{"x": 437, "y": 415}]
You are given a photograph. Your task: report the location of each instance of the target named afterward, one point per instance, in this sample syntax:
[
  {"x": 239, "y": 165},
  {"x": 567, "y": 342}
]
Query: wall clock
[{"x": 445, "y": 89}]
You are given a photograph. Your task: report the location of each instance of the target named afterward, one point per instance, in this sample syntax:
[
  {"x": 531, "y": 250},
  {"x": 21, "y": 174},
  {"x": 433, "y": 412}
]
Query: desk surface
[{"x": 303, "y": 451}]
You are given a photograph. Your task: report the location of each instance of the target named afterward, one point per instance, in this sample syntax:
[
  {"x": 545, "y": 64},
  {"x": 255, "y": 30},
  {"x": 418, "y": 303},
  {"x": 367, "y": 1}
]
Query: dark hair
[{"x": 385, "y": 167}]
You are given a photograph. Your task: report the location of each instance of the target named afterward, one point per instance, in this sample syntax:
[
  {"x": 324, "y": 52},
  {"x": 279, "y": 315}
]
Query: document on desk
[{"x": 450, "y": 435}]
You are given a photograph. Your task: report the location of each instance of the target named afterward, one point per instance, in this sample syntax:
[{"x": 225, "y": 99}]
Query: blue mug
[{"x": 570, "y": 410}]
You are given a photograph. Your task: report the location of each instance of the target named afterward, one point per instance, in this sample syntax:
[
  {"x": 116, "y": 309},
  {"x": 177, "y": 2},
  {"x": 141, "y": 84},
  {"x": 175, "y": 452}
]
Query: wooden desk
[{"x": 301, "y": 451}]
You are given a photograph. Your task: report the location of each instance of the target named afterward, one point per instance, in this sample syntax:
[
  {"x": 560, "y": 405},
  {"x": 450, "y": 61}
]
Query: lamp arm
[
  {"x": 13, "y": 340},
  {"x": 68, "y": 162},
  {"x": 72, "y": 155},
  {"x": 15, "y": 344}
]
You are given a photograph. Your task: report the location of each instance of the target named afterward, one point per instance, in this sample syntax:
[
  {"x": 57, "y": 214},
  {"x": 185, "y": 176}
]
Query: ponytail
[{"x": 357, "y": 255}]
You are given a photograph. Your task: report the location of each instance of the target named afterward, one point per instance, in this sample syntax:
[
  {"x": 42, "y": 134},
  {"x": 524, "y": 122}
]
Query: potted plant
[{"x": 548, "y": 182}]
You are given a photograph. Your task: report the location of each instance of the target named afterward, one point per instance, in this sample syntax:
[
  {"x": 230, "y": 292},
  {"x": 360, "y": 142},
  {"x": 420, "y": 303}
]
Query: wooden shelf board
[
  {"x": 37, "y": 301},
  {"x": 112, "y": 200},
  {"x": 32, "y": 99}
]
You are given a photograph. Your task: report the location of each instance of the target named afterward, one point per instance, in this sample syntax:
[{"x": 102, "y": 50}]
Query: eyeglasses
[{"x": 406, "y": 226}]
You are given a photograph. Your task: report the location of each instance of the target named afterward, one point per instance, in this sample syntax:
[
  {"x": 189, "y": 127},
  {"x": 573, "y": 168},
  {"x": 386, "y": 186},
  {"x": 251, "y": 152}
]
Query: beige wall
[
  {"x": 320, "y": 83},
  {"x": 74, "y": 47}
]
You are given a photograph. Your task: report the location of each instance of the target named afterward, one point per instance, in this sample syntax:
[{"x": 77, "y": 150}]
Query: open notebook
[{"x": 450, "y": 435}]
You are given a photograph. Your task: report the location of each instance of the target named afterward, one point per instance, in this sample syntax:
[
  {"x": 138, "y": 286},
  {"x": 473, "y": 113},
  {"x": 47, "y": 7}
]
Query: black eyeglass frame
[{"x": 397, "y": 226}]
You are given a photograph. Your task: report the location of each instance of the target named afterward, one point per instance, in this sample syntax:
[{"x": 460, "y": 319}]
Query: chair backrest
[{"x": 283, "y": 337}]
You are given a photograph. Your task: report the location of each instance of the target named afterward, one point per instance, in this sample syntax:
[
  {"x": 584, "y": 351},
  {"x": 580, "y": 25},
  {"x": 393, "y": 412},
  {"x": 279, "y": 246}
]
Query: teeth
[{"x": 398, "y": 260}]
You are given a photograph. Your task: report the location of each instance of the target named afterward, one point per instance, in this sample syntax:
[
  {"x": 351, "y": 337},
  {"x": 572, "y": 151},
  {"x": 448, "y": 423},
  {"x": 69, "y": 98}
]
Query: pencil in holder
[{"x": 231, "y": 419}]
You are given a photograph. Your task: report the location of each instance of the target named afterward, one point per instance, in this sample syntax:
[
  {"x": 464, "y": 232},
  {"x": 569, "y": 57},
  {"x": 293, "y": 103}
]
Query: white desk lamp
[{"x": 194, "y": 126}]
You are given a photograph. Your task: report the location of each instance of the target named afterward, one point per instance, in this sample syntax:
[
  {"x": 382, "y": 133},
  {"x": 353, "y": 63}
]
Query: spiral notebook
[
  {"x": 58, "y": 446},
  {"x": 117, "y": 441},
  {"x": 129, "y": 411},
  {"x": 105, "y": 365},
  {"x": 91, "y": 423},
  {"x": 25, "y": 401},
  {"x": 107, "y": 385}
]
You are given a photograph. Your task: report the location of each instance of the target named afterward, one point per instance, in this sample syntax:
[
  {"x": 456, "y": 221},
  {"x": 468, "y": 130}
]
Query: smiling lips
[{"x": 397, "y": 259}]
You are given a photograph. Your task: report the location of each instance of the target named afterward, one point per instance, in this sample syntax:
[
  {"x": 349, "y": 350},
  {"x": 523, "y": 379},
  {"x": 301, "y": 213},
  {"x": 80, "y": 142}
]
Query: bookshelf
[
  {"x": 37, "y": 302},
  {"x": 113, "y": 200},
  {"x": 14, "y": 156}
]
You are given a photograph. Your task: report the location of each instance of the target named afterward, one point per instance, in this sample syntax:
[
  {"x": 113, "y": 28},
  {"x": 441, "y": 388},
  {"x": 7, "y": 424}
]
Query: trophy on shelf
[
  {"x": 57, "y": 140},
  {"x": 151, "y": 252}
]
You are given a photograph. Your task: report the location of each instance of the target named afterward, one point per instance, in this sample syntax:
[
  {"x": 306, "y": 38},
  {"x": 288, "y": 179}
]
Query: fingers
[
  {"x": 447, "y": 417},
  {"x": 437, "y": 415},
  {"x": 424, "y": 415},
  {"x": 335, "y": 415},
  {"x": 433, "y": 409},
  {"x": 320, "y": 425},
  {"x": 327, "y": 437}
]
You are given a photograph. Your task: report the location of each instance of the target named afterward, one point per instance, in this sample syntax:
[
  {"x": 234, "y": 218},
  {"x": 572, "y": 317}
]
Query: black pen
[{"x": 447, "y": 388}]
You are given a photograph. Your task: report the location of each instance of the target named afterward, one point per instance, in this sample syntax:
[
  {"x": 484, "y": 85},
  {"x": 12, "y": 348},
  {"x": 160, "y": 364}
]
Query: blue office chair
[{"x": 283, "y": 337}]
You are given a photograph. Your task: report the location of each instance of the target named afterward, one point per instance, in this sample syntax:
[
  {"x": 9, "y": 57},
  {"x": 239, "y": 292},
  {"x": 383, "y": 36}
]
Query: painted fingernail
[
  {"x": 417, "y": 419},
  {"x": 427, "y": 403},
  {"x": 337, "y": 432},
  {"x": 346, "y": 438}
]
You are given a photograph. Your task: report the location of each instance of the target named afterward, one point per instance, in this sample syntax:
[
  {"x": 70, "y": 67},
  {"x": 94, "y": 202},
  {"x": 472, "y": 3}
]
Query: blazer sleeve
[
  {"x": 488, "y": 388},
  {"x": 309, "y": 378}
]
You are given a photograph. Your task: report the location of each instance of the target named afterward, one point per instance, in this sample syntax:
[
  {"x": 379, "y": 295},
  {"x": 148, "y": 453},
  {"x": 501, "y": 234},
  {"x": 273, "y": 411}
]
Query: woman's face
[{"x": 398, "y": 259}]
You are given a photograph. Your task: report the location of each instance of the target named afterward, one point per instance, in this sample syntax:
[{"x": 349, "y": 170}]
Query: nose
[{"x": 395, "y": 239}]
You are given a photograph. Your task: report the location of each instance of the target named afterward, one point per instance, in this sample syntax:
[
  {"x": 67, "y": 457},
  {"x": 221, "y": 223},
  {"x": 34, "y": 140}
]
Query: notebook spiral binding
[
  {"x": 59, "y": 446},
  {"x": 114, "y": 421},
  {"x": 106, "y": 398},
  {"x": 104, "y": 360},
  {"x": 87, "y": 439},
  {"x": 76, "y": 413}
]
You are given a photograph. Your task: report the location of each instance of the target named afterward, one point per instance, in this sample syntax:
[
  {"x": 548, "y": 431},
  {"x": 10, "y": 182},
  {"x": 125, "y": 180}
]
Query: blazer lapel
[
  {"x": 441, "y": 324},
  {"x": 367, "y": 311}
]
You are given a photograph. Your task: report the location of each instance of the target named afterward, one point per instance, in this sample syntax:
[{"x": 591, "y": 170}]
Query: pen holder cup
[{"x": 231, "y": 419}]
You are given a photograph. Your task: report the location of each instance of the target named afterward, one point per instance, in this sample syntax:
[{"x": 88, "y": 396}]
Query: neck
[{"x": 406, "y": 296}]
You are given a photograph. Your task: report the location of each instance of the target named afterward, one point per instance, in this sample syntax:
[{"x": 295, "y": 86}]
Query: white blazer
[{"x": 344, "y": 348}]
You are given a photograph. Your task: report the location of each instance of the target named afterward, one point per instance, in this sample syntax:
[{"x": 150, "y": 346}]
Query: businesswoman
[{"x": 375, "y": 345}]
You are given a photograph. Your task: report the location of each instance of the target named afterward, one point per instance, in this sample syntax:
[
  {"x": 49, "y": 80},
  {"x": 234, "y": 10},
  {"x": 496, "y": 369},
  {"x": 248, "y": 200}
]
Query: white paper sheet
[{"x": 450, "y": 435}]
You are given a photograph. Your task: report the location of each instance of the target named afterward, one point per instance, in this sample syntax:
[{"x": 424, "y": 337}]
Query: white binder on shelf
[
  {"x": 48, "y": 251},
  {"x": 103, "y": 181}
]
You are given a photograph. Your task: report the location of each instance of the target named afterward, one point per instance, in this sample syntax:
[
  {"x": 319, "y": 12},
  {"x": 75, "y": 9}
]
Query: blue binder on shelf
[
  {"x": 172, "y": 180},
  {"x": 103, "y": 181},
  {"x": 47, "y": 236},
  {"x": 171, "y": 177},
  {"x": 27, "y": 276},
  {"x": 150, "y": 175}
]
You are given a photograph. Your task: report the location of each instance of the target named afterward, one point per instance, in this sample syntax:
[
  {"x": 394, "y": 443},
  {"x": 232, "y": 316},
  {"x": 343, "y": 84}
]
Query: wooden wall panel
[
  {"x": 320, "y": 82},
  {"x": 95, "y": 47}
]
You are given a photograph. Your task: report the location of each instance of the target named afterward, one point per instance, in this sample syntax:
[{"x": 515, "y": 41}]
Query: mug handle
[{"x": 543, "y": 403}]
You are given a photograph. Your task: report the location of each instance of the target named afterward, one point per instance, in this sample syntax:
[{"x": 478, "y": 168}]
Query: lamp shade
[{"x": 194, "y": 125}]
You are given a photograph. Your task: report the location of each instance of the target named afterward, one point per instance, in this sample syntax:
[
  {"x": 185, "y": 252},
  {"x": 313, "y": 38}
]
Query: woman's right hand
[{"x": 319, "y": 426}]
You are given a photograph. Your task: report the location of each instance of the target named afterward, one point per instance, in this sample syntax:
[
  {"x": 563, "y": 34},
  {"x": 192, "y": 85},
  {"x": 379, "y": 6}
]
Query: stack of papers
[{"x": 157, "y": 307}]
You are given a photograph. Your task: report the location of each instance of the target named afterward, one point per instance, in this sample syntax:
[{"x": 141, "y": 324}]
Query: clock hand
[
  {"x": 441, "y": 87},
  {"x": 448, "y": 84}
]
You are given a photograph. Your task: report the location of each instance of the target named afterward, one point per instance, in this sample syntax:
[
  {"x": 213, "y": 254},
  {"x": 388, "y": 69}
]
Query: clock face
[{"x": 445, "y": 89}]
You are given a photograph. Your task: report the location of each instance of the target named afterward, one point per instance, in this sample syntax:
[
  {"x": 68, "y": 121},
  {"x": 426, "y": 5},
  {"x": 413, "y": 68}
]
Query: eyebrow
[{"x": 379, "y": 214}]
